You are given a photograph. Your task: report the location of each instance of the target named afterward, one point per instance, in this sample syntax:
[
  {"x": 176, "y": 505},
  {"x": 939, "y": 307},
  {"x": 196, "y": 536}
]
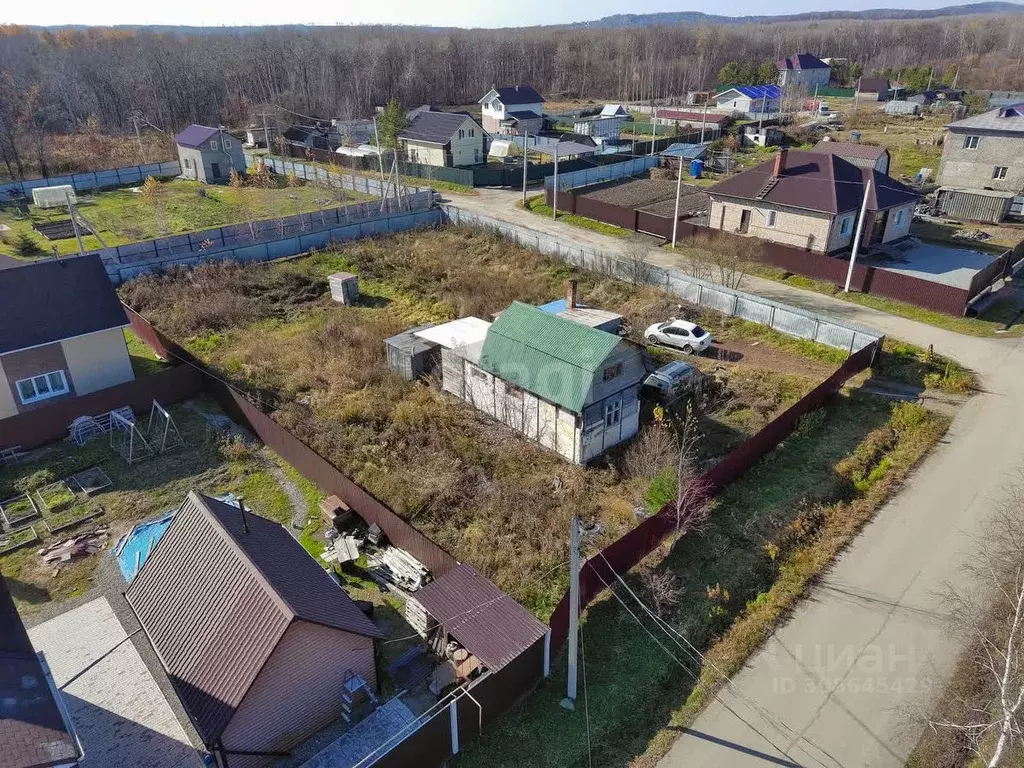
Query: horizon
[{"x": 461, "y": 14}]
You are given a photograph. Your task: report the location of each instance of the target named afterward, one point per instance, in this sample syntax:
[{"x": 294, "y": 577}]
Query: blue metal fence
[{"x": 84, "y": 182}]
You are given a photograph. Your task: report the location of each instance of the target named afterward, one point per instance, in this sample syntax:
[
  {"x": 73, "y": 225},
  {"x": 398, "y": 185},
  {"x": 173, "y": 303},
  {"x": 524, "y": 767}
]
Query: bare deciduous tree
[
  {"x": 636, "y": 268},
  {"x": 990, "y": 614}
]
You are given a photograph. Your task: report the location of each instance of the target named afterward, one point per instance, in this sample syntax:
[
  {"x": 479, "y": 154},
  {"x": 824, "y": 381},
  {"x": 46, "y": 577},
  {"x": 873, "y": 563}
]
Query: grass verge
[
  {"x": 537, "y": 205},
  {"x": 144, "y": 359},
  {"x": 992, "y": 323},
  {"x": 770, "y": 534}
]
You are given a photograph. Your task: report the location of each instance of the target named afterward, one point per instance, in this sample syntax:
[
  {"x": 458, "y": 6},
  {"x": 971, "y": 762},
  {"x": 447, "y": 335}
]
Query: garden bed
[
  {"x": 15, "y": 539},
  {"x": 18, "y": 509}
]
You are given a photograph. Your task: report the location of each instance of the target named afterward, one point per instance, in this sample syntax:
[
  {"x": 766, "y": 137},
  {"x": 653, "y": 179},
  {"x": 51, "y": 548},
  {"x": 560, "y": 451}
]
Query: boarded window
[{"x": 612, "y": 371}]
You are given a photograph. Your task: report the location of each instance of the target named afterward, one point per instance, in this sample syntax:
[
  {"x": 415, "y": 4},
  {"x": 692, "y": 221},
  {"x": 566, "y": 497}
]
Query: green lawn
[
  {"x": 123, "y": 216},
  {"x": 992, "y": 323},
  {"x": 768, "y": 536},
  {"x": 537, "y": 205},
  {"x": 207, "y": 463},
  {"x": 412, "y": 181},
  {"x": 144, "y": 359}
]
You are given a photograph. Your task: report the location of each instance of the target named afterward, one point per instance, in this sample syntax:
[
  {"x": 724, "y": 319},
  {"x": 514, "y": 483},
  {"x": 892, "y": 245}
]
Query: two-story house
[
  {"x": 61, "y": 332},
  {"x": 516, "y": 109},
  {"x": 442, "y": 138},
  {"x": 803, "y": 70},
  {"x": 208, "y": 154},
  {"x": 982, "y": 167},
  {"x": 811, "y": 200}
]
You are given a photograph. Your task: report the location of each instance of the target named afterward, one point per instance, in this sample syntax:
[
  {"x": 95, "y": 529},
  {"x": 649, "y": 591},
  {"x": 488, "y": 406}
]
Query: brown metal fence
[
  {"x": 431, "y": 743},
  {"x": 866, "y": 279},
  {"x": 624, "y": 553},
  {"x": 50, "y": 422}
]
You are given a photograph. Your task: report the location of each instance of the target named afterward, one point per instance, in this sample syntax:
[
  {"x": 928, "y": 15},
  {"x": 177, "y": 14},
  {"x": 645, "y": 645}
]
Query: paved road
[{"x": 867, "y": 647}]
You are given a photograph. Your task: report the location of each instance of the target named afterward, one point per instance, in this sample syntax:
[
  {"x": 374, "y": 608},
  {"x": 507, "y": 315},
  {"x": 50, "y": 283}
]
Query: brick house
[
  {"x": 261, "y": 645},
  {"x": 811, "y": 200},
  {"x": 61, "y": 332}
]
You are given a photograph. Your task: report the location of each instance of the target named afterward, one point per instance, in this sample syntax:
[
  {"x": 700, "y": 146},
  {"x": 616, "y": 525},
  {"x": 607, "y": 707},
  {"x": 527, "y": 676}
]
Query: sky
[{"x": 457, "y": 13}]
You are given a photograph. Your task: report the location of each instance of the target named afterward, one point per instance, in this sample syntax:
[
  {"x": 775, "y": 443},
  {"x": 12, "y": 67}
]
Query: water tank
[
  {"x": 696, "y": 167},
  {"x": 855, "y": 136}
]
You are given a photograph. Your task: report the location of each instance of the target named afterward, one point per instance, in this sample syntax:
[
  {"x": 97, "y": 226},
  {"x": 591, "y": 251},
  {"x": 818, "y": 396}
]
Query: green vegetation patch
[{"x": 537, "y": 205}]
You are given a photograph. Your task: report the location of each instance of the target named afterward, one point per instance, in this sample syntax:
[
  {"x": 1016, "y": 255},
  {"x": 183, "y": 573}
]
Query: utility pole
[
  {"x": 135, "y": 122},
  {"x": 654, "y": 128},
  {"x": 956, "y": 76},
  {"x": 679, "y": 190},
  {"x": 266, "y": 131},
  {"x": 554, "y": 188},
  {"x": 380, "y": 156},
  {"x": 569, "y": 702},
  {"x": 703, "y": 121},
  {"x": 931, "y": 72},
  {"x": 857, "y": 236},
  {"x": 526, "y": 141}
]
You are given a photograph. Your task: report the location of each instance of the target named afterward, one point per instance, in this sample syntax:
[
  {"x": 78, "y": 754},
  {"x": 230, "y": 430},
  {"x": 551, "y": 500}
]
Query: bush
[
  {"x": 26, "y": 245},
  {"x": 35, "y": 480},
  {"x": 907, "y": 418}
]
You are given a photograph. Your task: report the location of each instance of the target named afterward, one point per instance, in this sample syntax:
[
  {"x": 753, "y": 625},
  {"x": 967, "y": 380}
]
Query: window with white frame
[
  {"x": 472, "y": 132},
  {"x": 769, "y": 219},
  {"x": 227, "y": 143},
  {"x": 41, "y": 387},
  {"x": 612, "y": 413},
  {"x": 1000, "y": 171},
  {"x": 213, "y": 144},
  {"x": 971, "y": 142},
  {"x": 462, "y": 134},
  {"x": 901, "y": 216},
  {"x": 188, "y": 163},
  {"x": 846, "y": 225}
]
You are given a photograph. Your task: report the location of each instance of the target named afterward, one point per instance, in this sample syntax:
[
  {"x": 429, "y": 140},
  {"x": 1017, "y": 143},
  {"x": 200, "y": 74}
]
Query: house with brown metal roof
[
  {"x": 811, "y": 200},
  {"x": 35, "y": 729},
  {"x": 862, "y": 155},
  {"x": 61, "y": 332},
  {"x": 261, "y": 645},
  {"x": 872, "y": 89}
]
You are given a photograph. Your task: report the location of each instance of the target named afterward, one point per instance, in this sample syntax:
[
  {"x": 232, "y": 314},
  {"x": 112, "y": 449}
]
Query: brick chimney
[
  {"x": 780, "y": 162},
  {"x": 571, "y": 294}
]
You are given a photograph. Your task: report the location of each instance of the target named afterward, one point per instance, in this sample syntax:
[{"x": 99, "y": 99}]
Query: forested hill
[{"x": 873, "y": 14}]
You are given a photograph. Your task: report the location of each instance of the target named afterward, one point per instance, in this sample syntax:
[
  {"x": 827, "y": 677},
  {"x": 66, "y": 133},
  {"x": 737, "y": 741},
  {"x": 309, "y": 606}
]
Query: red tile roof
[
  {"x": 695, "y": 117},
  {"x": 489, "y": 624},
  {"x": 816, "y": 182},
  {"x": 215, "y": 600}
]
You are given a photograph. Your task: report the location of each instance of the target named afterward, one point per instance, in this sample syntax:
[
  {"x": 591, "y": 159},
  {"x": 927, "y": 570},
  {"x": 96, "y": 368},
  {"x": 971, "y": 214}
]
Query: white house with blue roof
[{"x": 752, "y": 101}]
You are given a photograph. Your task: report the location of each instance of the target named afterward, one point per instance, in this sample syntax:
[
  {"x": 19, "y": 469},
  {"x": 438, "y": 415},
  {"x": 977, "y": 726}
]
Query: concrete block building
[
  {"x": 811, "y": 200},
  {"x": 803, "y": 70},
  {"x": 982, "y": 166},
  {"x": 61, "y": 332},
  {"x": 208, "y": 154}
]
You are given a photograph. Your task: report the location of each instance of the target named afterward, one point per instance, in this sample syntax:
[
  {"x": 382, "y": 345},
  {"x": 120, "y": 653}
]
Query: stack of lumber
[
  {"x": 83, "y": 545},
  {"x": 400, "y": 568},
  {"x": 344, "y": 549},
  {"x": 418, "y": 617}
]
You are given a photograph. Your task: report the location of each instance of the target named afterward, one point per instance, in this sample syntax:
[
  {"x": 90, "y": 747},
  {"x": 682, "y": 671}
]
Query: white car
[{"x": 681, "y": 334}]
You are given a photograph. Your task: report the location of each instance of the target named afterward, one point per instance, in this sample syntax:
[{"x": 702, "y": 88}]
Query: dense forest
[{"x": 59, "y": 82}]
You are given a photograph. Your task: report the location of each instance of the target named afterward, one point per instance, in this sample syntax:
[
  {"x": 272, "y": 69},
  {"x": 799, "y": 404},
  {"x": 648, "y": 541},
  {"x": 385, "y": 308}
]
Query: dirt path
[{"x": 300, "y": 512}]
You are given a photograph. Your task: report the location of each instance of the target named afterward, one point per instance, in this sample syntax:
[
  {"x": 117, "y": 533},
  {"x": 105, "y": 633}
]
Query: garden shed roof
[
  {"x": 489, "y": 624},
  {"x": 553, "y": 358}
]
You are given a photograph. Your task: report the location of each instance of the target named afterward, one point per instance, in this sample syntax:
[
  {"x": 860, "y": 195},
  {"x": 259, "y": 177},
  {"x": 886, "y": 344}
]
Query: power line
[{"x": 772, "y": 719}]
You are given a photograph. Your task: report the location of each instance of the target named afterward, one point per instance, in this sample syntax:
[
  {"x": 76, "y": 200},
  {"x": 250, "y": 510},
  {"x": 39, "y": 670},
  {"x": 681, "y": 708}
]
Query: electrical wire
[{"x": 769, "y": 717}]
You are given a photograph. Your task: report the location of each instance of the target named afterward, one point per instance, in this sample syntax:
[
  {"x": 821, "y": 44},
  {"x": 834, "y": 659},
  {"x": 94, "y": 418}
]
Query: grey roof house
[
  {"x": 208, "y": 154},
  {"x": 803, "y": 69},
  {"x": 74, "y": 343},
  {"x": 243, "y": 620},
  {"x": 513, "y": 109},
  {"x": 982, "y": 166},
  {"x": 811, "y": 200},
  {"x": 35, "y": 728},
  {"x": 441, "y": 138}
]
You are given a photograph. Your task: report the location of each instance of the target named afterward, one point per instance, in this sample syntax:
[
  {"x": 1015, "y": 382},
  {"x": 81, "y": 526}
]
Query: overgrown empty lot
[{"x": 489, "y": 496}]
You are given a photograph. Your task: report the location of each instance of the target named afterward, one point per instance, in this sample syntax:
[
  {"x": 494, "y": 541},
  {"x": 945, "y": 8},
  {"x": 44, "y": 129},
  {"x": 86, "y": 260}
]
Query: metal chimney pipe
[{"x": 571, "y": 294}]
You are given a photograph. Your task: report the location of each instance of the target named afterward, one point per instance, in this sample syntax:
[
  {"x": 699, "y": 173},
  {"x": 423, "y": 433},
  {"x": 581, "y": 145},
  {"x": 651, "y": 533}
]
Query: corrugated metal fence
[
  {"x": 272, "y": 238},
  {"x": 84, "y": 182},
  {"x": 318, "y": 174},
  {"x": 782, "y": 317},
  {"x": 866, "y": 279},
  {"x": 602, "y": 173},
  {"x": 621, "y": 555}
]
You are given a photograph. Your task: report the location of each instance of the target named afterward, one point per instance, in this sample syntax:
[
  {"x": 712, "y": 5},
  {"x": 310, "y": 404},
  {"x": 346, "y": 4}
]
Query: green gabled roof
[{"x": 553, "y": 358}]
